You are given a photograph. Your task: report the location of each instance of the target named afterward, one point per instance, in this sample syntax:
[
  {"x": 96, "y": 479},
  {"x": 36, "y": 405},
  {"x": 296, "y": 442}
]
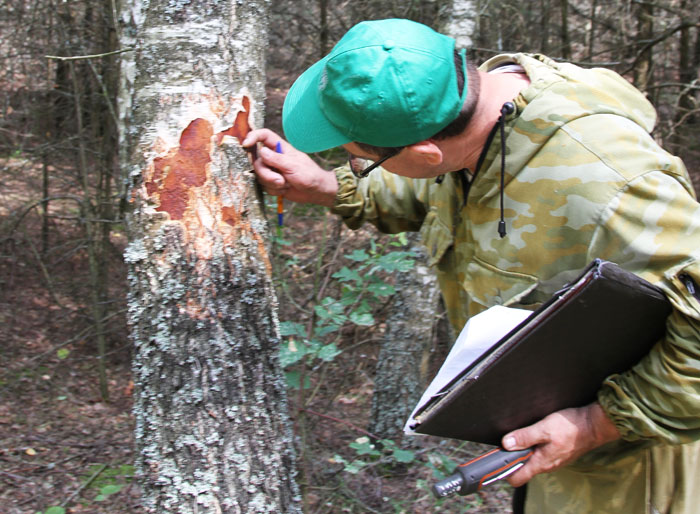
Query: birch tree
[{"x": 212, "y": 430}]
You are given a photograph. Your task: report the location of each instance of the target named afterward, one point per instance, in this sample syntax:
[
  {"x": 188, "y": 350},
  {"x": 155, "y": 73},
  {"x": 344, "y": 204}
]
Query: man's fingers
[
  {"x": 268, "y": 177},
  {"x": 273, "y": 159},
  {"x": 523, "y": 475},
  {"x": 265, "y": 136}
]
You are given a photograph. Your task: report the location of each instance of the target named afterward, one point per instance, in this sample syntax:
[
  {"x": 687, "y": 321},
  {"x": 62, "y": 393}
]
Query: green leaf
[
  {"x": 347, "y": 275},
  {"x": 328, "y": 352},
  {"x": 290, "y": 328},
  {"x": 55, "y": 510},
  {"x": 396, "y": 261},
  {"x": 294, "y": 380},
  {"x": 111, "y": 489},
  {"x": 364, "y": 319},
  {"x": 358, "y": 256},
  {"x": 404, "y": 456},
  {"x": 322, "y": 330},
  {"x": 330, "y": 310},
  {"x": 291, "y": 353},
  {"x": 350, "y": 296},
  {"x": 381, "y": 289},
  {"x": 355, "y": 467},
  {"x": 62, "y": 353},
  {"x": 363, "y": 446}
]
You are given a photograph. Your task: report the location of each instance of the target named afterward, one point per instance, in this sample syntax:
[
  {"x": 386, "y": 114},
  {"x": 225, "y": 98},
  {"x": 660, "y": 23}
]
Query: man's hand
[
  {"x": 559, "y": 439},
  {"x": 291, "y": 174}
]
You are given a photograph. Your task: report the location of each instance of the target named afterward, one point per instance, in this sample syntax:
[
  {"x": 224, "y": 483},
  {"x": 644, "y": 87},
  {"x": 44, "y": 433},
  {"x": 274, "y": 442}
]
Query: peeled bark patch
[{"x": 183, "y": 168}]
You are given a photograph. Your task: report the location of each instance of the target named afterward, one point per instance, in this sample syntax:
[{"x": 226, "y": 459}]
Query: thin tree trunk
[
  {"x": 645, "y": 34},
  {"x": 686, "y": 71},
  {"x": 402, "y": 364},
  {"x": 564, "y": 32},
  {"x": 591, "y": 32},
  {"x": 212, "y": 427},
  {"x": 544, "y": 26},
  {"x": 88, "y": 215},
  {"x": 323, "y": 33}
]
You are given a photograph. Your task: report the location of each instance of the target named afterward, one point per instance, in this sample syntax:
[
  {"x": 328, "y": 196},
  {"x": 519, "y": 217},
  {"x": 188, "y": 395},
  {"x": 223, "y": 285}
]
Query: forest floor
[{"x": 63, "y": 447}]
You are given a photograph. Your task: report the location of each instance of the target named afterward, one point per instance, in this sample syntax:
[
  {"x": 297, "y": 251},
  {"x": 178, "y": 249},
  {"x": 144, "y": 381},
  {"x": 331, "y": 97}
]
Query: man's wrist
[
  {"x": 326, "y": 189},
  {"x": 602, "y": 427}
]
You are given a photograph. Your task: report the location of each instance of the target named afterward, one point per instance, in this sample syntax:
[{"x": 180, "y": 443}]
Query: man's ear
[{"x": 428, "y": 151}]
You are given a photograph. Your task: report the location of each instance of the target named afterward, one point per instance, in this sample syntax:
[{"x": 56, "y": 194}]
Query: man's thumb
[{"x": 516, "y": 440}]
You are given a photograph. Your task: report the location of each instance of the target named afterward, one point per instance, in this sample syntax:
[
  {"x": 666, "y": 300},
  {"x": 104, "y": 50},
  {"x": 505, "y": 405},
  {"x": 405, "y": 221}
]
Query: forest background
[{"x": 66, "y": 426}]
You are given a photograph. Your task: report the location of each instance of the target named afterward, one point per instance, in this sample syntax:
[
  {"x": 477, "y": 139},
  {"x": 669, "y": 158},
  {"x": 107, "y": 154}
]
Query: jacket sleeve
[
  {"x": 652, "y": 227},
  {"x": 388, "y": 201}
]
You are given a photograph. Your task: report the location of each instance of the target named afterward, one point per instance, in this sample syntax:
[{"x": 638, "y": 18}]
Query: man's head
[{"x": 387, "y": 83}]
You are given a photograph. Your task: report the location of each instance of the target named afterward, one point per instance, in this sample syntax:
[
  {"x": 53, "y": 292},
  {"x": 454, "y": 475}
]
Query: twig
[
  {"x": 85, "y": 484},
  {"x": 342, "y": 421},
  {"x": 93, "y": 56},
  {"x": 15, "y": 477}
]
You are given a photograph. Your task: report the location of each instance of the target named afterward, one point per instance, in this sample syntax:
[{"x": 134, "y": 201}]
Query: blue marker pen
[{"x": 280, "y": 200}]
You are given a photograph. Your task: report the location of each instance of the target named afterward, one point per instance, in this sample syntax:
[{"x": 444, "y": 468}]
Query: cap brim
[{"x": 304, "y": 124}]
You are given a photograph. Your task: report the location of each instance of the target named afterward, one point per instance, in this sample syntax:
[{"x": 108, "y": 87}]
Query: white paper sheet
[{"x": 479, "y": 334}]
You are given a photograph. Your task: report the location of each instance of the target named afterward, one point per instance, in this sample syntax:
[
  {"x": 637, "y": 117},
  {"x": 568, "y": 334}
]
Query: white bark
[{"x": 458, "y": 20}]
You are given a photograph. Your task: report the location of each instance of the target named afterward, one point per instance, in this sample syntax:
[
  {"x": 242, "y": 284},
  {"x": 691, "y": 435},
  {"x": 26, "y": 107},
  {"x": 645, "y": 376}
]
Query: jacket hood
[
  {"x": 558, "y": 94},
  {"x": 580, "y": 91}
]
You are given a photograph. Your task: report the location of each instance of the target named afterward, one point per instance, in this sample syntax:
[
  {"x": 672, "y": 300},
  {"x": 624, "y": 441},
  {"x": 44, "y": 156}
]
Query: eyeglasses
[{"x": 359, "y": 166}]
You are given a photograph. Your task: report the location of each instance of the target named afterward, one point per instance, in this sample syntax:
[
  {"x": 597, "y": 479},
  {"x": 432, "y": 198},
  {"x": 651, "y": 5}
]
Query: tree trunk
[
  {"x": 645, "y": 34},
  {"x": 458, "y": 19},
  {"x": 402, "y": 364},
  {"x": 591, "y": 32},
  {"x": 686, "y": 71},
  {"x": 212, "y": 428},
  {"x": 564, "y": 30}
]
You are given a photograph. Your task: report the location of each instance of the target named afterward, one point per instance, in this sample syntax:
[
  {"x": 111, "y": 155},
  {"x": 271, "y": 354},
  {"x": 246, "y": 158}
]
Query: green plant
[
  {"x": 382, "y": 452},
  {"x": 362, "y": 285}
]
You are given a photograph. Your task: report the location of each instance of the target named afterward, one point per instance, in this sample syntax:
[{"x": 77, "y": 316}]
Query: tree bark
[
  {"x": 564, "y": 30},
  {"x": 645, "y": 34},
  {"x": 458, "y": 19},
  {"x": 212, "y": 428},
  {"x": 402, "y": 364}
]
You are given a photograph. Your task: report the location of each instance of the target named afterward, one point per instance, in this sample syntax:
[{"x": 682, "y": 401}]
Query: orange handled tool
[{"x": 473, "y": 475}]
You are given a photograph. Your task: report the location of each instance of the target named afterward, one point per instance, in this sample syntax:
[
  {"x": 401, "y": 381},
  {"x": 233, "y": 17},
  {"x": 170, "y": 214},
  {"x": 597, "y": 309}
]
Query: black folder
[{"x": 600, "y": 324}]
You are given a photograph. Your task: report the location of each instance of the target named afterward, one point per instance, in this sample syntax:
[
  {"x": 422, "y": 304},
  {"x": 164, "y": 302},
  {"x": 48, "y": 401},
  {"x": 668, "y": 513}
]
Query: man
[{"x": 516, "y": 180}]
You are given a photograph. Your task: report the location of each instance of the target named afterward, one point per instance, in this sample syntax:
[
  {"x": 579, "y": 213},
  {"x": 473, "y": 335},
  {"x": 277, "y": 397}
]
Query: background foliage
[{"x": 65, "y": 391}]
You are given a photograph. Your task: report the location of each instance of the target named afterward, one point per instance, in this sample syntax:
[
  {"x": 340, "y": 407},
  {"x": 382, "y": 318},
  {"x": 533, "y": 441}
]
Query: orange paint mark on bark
[{"x": 183, "y": 168}]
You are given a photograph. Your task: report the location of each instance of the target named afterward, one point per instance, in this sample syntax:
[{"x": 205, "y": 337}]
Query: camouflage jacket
[{"x": 584, "y": 179}]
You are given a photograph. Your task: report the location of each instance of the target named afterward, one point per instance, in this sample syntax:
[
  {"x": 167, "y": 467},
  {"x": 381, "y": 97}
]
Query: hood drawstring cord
[{"x": 506, "y": 109}]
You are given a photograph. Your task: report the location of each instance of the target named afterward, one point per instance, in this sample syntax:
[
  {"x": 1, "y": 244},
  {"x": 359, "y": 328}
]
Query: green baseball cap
[{"x": 386, "y": 83}]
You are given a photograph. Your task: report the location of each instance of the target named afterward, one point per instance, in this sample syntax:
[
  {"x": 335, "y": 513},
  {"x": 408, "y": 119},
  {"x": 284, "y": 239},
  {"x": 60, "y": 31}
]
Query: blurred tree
[
  {"x": 403, "y": 370},
  {"x": 212, "y": 428},
  {"x": 58, "y": 110}
]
